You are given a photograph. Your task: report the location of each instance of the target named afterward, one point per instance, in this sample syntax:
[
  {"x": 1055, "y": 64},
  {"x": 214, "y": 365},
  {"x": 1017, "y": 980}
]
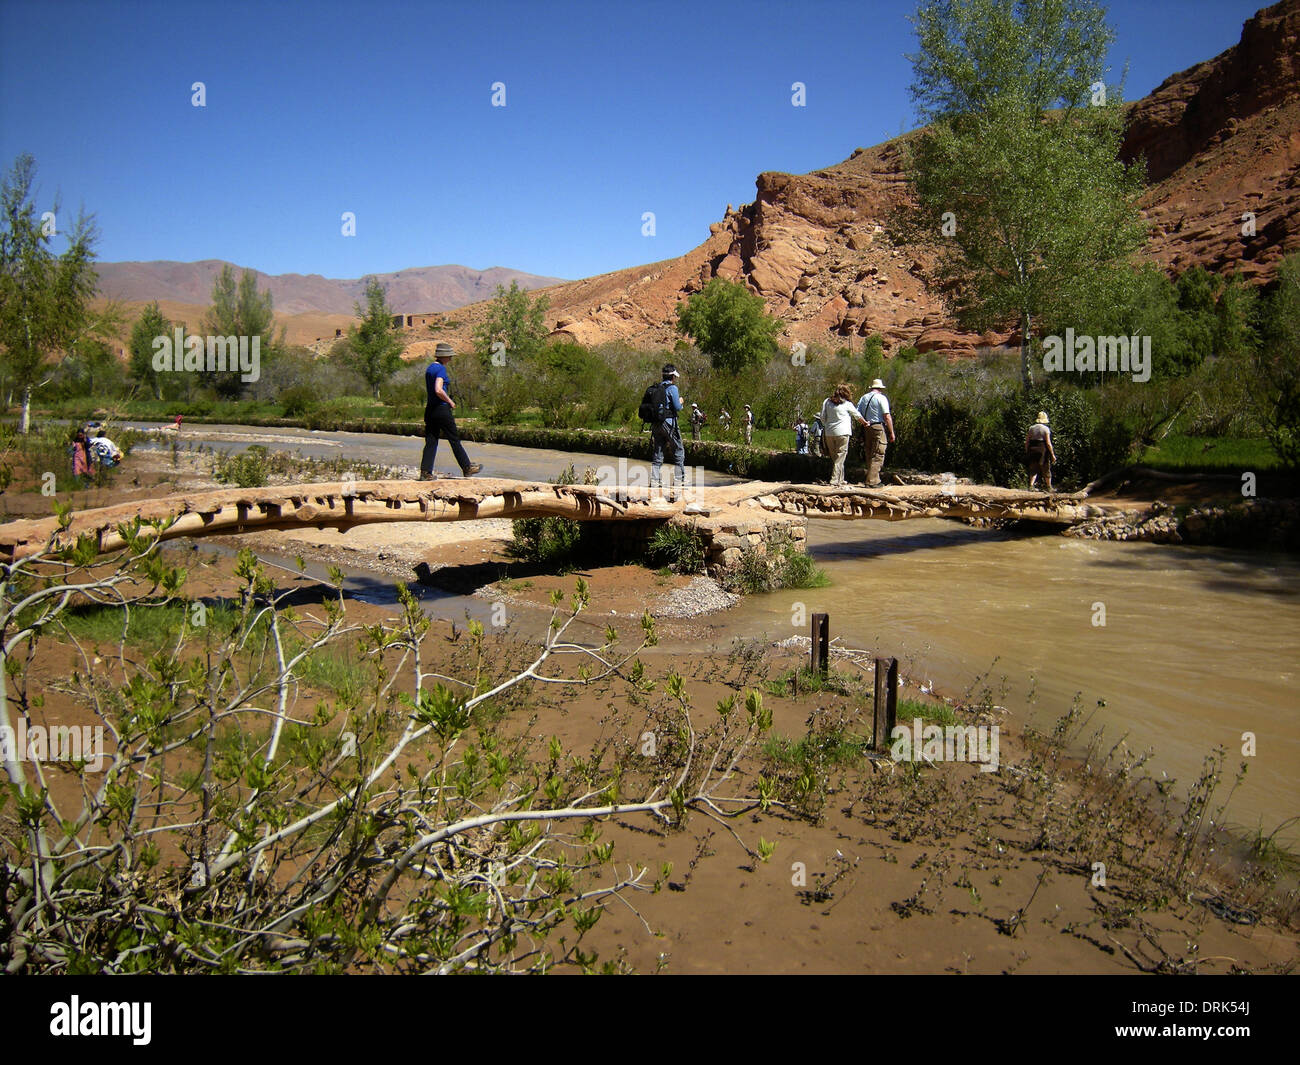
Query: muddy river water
[{"x": 1188, "y": 648}]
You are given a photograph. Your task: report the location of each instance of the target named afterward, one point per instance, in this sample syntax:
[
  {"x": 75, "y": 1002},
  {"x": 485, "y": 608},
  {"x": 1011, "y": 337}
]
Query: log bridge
[{"x": 758, "y": 516}]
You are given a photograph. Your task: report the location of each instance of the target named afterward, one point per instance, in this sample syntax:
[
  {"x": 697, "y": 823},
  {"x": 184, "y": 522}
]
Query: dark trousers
[{"x": 441, "y": 423}]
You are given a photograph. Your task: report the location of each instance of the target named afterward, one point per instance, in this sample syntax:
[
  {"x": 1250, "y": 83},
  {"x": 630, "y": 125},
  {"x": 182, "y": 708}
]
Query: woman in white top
[{"x": 838, "y": 415}]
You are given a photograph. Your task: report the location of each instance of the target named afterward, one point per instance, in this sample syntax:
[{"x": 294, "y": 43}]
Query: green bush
[
  {"x": 298, "y": 400},
  {"x": 548, "y": 541},
  {"x": 678, "y": 547},
  {"x": 249, "y": 469}
]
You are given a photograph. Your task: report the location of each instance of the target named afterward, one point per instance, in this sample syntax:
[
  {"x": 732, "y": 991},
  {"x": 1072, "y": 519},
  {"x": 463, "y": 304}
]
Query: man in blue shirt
[
  {"x": 666, "y": 435},
  {"x": 438, "y": 418},
  {"x": 874, "y": 407}
]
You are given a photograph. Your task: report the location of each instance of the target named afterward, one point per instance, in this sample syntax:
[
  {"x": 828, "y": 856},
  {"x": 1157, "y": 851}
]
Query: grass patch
[
  {"x": 830, "y": 748},
  {"x": 1186, "y": 454},
  {"x": 148, "y": 627}
]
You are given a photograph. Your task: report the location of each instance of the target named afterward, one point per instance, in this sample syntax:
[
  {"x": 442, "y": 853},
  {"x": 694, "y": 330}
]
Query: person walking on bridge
[
  {"x": 1039, "y": 454},
  {"x": 665, "y": 435},
  {"x": 438, "y": 418},
  {"x": 839, "y": 414},
  {"x": 874, "y": 408}
]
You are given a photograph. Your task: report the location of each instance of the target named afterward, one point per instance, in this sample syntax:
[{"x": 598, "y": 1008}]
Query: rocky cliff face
[
  {"x": 1222, "y": 145},
  {"x": 1221, "y": 140}
]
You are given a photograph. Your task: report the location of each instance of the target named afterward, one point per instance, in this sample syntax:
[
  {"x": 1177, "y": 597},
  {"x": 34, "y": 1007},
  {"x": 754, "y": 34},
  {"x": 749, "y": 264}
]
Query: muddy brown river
[{"x": 1188, "y": 648}]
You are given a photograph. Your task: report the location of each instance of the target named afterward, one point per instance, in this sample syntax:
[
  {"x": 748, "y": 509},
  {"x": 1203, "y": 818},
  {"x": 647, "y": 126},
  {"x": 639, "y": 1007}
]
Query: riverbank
[{"x": 1051, "y": 864}]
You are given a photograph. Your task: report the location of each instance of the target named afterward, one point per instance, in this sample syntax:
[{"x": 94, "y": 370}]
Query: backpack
[{"x": 655, "y": 407}]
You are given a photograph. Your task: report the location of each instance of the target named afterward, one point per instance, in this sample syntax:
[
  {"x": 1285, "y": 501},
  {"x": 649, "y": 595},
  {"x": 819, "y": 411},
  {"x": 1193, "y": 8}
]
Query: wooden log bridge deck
[{"x": 731, "y": 517}]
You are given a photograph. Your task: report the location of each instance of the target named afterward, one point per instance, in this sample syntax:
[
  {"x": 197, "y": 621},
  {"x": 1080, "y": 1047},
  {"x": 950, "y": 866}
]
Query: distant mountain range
[{"x": 420, "y": 289}]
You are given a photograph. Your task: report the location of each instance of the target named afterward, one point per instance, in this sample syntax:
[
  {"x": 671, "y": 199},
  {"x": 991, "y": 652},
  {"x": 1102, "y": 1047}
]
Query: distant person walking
[
  {"x": 697, "y": 421},
  {"x": 749, "y": 425},
  {"x": 800, "y": 436},
  {"x": 439, "y": 422},
  {"x": 874, "y": 408},
  {"x": 839, "y": 414},
  {"x": 1039, "y": 454},
  {"x": 724, "y": 421},
  {"x": 817, "y": 435},
  {"x": 666, "y": 403},
  {"x": 83, "y": 465}
]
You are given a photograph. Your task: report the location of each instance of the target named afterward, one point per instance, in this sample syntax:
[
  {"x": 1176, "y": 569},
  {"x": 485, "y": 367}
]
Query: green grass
[
  {"x": 146, "y": 627},
  {"x": 1184, "y": 454},
  {"x": 832, "y": 748},
  {"x": 835, "y": 681}
]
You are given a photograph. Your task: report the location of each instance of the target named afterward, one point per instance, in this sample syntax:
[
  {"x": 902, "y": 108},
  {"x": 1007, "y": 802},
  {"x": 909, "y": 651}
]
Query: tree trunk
[
  {"x": 25, "y": 420},
  {"x": 1026, "y": 368}
]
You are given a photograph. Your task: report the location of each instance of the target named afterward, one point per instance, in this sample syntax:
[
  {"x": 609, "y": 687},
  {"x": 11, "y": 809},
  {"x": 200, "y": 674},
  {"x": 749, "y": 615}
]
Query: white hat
[{"x": 878, "y": 383}]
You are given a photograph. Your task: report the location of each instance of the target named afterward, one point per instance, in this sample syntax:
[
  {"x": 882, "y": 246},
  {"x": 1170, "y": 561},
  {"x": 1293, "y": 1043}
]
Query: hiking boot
[
  {"x": 426, "y": 477},
  {"x": 473, "y": 468}
]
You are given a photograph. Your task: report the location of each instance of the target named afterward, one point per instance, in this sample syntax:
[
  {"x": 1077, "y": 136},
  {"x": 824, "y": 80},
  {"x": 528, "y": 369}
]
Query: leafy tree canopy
[
  {"x": 375, "y": 348},
  {"x": 730, "y": 324},
  {"x": 1030, "y": 213}
]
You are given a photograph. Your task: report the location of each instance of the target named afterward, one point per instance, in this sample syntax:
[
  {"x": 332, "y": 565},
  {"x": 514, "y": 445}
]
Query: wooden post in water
[
  {"x": 886, "y": 709},
  {"x": 821, "y": 644}
]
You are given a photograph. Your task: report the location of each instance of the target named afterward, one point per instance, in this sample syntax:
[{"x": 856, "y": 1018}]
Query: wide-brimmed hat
[
  {"x": 443, "y": 350},
  {"x": 878, "y": 383},
  {"x": 747, "y": 407},
  {"x": 1042, "y": 418}
]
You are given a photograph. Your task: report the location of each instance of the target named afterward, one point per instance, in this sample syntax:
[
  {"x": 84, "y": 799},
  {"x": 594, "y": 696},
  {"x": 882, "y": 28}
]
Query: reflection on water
[{"x": 1188, "y": 647}]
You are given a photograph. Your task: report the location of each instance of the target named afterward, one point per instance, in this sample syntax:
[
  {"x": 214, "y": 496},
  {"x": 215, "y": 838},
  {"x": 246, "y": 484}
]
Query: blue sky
[{"x": 385, "y": 110}]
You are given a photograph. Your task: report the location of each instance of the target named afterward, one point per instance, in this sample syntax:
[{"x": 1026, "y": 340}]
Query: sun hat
[
  {"x": 878, "y": 383},
  {"x": 1042, "y": 418},
  {"x": 443, "y": 350}
]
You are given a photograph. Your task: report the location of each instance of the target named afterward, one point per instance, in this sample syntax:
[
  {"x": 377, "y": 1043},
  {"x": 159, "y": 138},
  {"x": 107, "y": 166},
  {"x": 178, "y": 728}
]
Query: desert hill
[
  {"x": 1220, "y": 139},
  {"x": 425, "y": 288}
]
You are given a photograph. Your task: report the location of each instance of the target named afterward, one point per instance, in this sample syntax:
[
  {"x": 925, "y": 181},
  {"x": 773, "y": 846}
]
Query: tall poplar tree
[{"x": 1021, "y": 195}]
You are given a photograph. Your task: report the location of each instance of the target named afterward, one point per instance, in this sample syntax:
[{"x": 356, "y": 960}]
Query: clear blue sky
[{"x": 384, "y": 109}]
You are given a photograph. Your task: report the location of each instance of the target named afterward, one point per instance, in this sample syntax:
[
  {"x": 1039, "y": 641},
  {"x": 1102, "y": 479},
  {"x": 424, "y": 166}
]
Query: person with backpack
[
  {"x": 697, "y": 421},
  {"x": 800, "y": 428},
  {"x": 438, "y": 418},
  {"x": 660, "y": 407},
  {"x": 749, "y": 424}
]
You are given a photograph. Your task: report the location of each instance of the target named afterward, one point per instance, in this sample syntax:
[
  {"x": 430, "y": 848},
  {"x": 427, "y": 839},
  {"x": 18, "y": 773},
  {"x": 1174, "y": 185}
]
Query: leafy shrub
[
  {"x": 678, "y": 547},
  {"x": 298, "y": 400},
  {"x": 548, "y": 541},
  {"x": 786, "y": 568},
  {"x": 249, "y": 469}
]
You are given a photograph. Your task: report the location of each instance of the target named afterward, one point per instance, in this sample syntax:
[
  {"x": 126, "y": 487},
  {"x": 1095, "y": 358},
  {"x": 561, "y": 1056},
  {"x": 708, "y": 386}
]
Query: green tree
[
  {"x": 239, "y": 310},
  {"x": 151, "y": 323},
  {"x": 374, "y": 347},
  {"x": 516, "y": 320},
  {"x": 729, "y": 324},
  {"x": 1019, "y": 188},
  {"x": 1277, "y": 363},
  {"x": 44, "y": 298}
]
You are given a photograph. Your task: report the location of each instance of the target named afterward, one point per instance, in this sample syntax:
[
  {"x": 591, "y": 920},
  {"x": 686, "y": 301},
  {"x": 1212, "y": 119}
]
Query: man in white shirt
[{"x": 874, "y": 408}]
